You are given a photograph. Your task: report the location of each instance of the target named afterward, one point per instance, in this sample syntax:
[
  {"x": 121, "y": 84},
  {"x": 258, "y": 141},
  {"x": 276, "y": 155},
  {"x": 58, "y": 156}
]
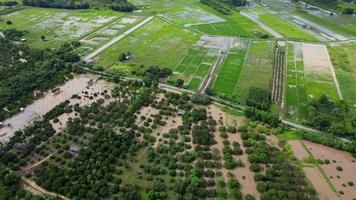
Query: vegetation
[
  {"x": 281, "y": 179},
  {"x": 218, "y": 6},
  {"x": 337, "y": 118},
  {"x": 10, "y": 187}
]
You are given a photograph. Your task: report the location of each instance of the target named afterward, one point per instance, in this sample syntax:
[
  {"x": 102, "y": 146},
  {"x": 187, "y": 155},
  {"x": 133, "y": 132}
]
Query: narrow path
[
  {"x": 333, "y": 74},
  {"x": 38, "y": 188},
  {"x": 88, "y": 57},
  {"x": 39, "y": 162}
]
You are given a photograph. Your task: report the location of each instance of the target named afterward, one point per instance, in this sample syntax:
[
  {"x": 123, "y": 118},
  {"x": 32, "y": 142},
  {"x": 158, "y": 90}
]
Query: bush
[{"x": 339, "y": 168}]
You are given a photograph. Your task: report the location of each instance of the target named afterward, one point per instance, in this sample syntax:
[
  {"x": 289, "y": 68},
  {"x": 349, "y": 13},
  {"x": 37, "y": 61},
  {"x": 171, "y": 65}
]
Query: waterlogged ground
[
  {"x": 43, "y": 105},
  {"x": 329, "y": 182}
]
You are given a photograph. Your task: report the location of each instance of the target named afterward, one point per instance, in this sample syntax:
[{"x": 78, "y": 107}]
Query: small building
[
  {"x": 18, "y": 145},
  {"x": 181, "y": 112},
  {"x": 74, "y": 149}
]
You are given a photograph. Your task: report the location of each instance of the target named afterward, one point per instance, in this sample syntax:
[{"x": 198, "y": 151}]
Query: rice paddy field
[
  {"x": 284, "y": 28},
  {"x": 308, "y": 75},
  {"x": 57, "y": 25},
  {"x": 249, "y": 64},
  {"x": 156, "y": 43},
  {"x": 343, "y": 58}
]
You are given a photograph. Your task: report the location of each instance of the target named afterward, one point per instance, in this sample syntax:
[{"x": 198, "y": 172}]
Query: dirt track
[{"x": 39, "y": 189}]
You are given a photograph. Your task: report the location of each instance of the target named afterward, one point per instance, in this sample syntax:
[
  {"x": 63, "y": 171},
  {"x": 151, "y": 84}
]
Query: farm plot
[
  {"x": 319, "y": 71},
  {"x": 286, "y": 29},
  {"x": 344, "y": 60},
  {"x": 200, "y": 58},
  {"x": 296, "y": 98},
  {"x": 156, "y": 43},
  {"x": 229, "y": 73},
  {"x": 309, "y": 75},
  {"x": 56, "y": 25},
  {"x": 235, "y": 77},
  {"x": 258, "y": 69},
  {"x": 106, "y": 33}
]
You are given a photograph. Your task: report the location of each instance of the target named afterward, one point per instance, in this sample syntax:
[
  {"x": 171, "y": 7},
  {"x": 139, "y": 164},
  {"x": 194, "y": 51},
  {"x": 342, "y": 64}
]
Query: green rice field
[{"x": 229, "y": 73}]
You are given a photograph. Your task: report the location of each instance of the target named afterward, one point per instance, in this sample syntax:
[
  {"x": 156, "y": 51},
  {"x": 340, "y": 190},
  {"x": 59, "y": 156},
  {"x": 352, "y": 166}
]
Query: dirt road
[{"x": 39, "y": 189}]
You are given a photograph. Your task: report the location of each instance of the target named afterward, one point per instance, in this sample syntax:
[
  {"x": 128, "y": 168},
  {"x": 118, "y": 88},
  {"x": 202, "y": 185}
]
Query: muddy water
[
  {"x": 343, "y": 159},
  {"x": 298, "y": 149},
  {"x": 321, "y": 186},
  {"x": 337, "y": 178},
  {"x": 42, "y": 106}
]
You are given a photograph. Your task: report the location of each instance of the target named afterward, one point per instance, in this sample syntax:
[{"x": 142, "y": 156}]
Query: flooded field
[
  {"x": 43, "y": 105},
  {"x": 338, "y": 166},
  {"x": 342, "y": 177}
]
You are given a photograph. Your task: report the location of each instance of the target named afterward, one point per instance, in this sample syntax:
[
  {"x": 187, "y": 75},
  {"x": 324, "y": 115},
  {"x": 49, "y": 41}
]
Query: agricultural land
[{"x": 177, "y": 100}]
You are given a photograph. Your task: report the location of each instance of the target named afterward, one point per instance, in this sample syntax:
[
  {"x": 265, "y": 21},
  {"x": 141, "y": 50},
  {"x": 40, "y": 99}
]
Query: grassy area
[
  {"x": 229, "y": 74},
  {"x": 156, "y": 43},
  {"x": 57, "y": 25},
  {"x": 344, "y": 62},
  {"x": 339, "y": 24},
  {"x": 284, "y": 28}
]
